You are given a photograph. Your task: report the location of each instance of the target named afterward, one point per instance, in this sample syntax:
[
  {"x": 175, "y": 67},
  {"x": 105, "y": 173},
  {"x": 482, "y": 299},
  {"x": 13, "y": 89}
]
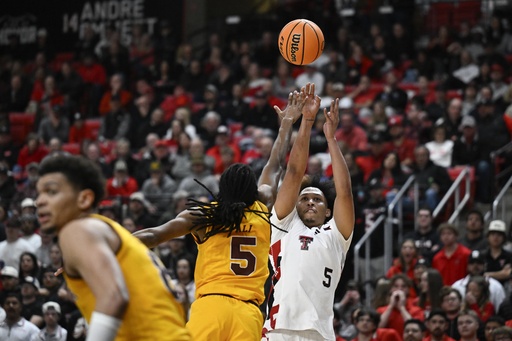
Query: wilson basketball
[{"x": 301, "y": 42}]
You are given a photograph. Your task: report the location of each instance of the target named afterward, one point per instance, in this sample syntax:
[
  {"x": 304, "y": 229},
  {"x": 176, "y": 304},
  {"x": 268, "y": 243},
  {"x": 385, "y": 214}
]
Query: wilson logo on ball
[
  {"x": 301, "y": 42},
  {"x": 294, "y": 47}
]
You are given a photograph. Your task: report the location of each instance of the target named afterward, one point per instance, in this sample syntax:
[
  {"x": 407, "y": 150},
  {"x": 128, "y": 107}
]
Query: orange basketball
[{"x": 301, "y": 42}]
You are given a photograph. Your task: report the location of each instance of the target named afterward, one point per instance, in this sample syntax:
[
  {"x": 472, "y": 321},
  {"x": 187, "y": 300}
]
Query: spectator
[
  {"x": 372, "y": 159},
  {"x": 10, "y": 282},
  {"x": 425, "y": 236},
  {"x": 349, "y": 304},
  {"x": 261, "y": 114},
  {"x": 12, "y": 248},
  {"x": 441, "y": 147},
  {"x": 350, "y": 133},
  {"x": 414, "y": 330},
  {"x": 16, "y": 97},
  {"x": 468, "y": 150},
  {"x": 52, "y": 330},
  {"x": 29, "y": 225},
  {"x": 498, "y": 261},
  {"x": 156, "y": 124},
  {"x": 122, "y": 152},
  {"x": 436, "y": 109},
  {"x": 367, "y": 325},
  {"x": 117, "y": 90},
  {"x": 208, "y": 127},
  {"x": 200, "y": 173},
  {"x": 282, "y": 82},
  {"x": 406, "y": 261},
  {"x": 55, "y": 257},
  {"x": 29, "y": 265},
  {"x": 160, "y": 153},
  {"x": 476, "y": 267},
  {"x": 477, "y": 298},
  {"x": 54, "y": 124},
  {"x": 392, "y": 95},
  {"x": 138, "y": 210},
  {"x": 311, "y": 75},
  {"x": 139, "y": 115},
  {"x": 437, "y": 325},
  {"x": 400, "y": 143},
  {"x": 32, "y": 304},
  {"x": 121, "y": 183},
  {"x": 33, "y": 151},
  {"x": 502, "y": 333},
  {"x": 451, "y": 303},
  {"x": 185, "y": 276},
  {"x": 453, "y": 119},
  {"x": 116, "y": 122},
  {"x": 43, "y": 252},
  {"x": 8, "y": 149},
  {"x": 452, "y": 259},
  {"x": 79, "y": 132},
  {"x": 474, "y": 239},
  {"x": 158, "y": 188},
  {"x": 15, "y": 327},
  {"x": 433, "y": 180},
  {"x": 93, "y": 152},
  {"x": 430, "y": 286},
  {"x": 390, "y": 174},
  {"x": 177, "y": 204},
  {"x": 69, "y": 83},
  {"x": 467, "y": 325},
  {"x": 399, "y": 308}
]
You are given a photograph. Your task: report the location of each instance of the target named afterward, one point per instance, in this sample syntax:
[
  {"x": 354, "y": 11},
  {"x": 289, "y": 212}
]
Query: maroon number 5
[{"x": 238, "y": 254}]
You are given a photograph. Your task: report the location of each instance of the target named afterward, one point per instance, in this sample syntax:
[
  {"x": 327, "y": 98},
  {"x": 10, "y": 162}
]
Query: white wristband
[{"x": 102, "y": 327}]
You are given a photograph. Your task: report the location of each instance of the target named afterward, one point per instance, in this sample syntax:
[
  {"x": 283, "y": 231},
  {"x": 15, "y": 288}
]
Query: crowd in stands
[{"x": 168, "y": 114}]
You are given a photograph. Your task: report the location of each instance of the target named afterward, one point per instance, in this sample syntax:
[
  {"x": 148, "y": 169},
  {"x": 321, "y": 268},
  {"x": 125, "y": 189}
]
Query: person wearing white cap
[
  {"x": 498, "y": 261},
  {"x": 53, "y": 331},
  {"x": 28, "y": 205},
  {"x": 10, "y": 281}
]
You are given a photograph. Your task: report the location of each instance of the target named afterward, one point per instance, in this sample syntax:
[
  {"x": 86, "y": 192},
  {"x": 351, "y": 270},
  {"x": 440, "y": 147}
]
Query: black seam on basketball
[
  {"x": 303, "y": 41},
  {"x": 317, "y": 39}
]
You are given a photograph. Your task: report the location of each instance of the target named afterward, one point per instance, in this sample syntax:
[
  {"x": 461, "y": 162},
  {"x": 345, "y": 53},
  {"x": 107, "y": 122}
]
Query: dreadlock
[
  {"x": 325, "y": 186},
  {"x": 238, "y": 190}
]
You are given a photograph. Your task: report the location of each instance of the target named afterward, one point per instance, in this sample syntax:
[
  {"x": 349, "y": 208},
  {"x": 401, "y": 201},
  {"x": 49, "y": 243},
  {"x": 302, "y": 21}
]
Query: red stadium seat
[
  {"x": 21, "y": 125},
  {"x": 72, "y": 148},
  {"x": 93, "y": 125}
]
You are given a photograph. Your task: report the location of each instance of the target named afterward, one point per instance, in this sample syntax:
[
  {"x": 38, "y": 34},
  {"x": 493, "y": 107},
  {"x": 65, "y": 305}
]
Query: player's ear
[
  {"x": 328, "y": 212},
  {"x": 85, "y": 199}
]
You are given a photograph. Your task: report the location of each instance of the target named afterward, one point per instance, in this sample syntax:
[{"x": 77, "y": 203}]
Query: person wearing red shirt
[
  {"x": 222, "y": 139},
  {"x": 375, "y": 156},
  {"x": 366, "y": 322},
  {"x": 33, "y": 151},
  {"x": 399, "y": 142},
  {"x": 437, "y": 325},
  {"x": 477, "y": 298},
  {"x": 350, "y": 133},
  {"x": 452, "y": 260},
  {"x": 399, "y": 308},
  {"x": 78, "y": 132},
  {"x": 121, "y": 184},
  {"x": 116, "y": 89}
]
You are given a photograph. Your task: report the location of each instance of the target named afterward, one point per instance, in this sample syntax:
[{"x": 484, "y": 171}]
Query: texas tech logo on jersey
[{"x": 305, "y": 241}]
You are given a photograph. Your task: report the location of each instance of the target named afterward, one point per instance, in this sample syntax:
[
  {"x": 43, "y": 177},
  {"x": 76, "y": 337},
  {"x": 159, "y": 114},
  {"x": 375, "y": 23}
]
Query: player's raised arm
[
  {"x": 299, "y": 155},
  {"x": 271, "y": 174},
  {"x": 343, "y": 210},
  {"x": 179, "y": 226}
]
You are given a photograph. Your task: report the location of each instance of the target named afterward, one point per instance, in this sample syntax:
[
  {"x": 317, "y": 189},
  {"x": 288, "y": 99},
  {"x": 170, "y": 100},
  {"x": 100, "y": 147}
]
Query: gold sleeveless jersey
[
  {"x": 237, "y": 265},
  {"x": 152, "y": 313}
]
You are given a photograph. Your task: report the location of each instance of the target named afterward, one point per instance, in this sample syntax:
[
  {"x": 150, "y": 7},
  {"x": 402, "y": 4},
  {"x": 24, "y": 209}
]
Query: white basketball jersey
[{"x": 307, "y": 264}]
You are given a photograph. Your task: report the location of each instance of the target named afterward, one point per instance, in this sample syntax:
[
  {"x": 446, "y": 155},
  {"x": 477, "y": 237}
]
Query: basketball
[{"x": 301, "y": 42}]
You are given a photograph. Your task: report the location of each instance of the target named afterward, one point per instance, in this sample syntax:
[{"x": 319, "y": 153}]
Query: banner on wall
[{"x": 64, "y": 20}]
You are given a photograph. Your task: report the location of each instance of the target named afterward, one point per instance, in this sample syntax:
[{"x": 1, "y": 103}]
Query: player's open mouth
[{"x": 43, "y": 218}]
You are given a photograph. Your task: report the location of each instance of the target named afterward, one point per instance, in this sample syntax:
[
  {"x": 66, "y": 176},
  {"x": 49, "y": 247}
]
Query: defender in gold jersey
[
  {"x": 233, "y": 237},
  {"x": 119, "y": 285}
]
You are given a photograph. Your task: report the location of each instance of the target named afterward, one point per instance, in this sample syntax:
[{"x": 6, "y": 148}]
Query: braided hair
[{"x": 238, "y": 190}]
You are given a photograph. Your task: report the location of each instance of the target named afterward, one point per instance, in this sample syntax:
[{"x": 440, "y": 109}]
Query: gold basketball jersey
[
  {"x": 152, "y": 313},
  {"x": 237, "y": 265}
]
